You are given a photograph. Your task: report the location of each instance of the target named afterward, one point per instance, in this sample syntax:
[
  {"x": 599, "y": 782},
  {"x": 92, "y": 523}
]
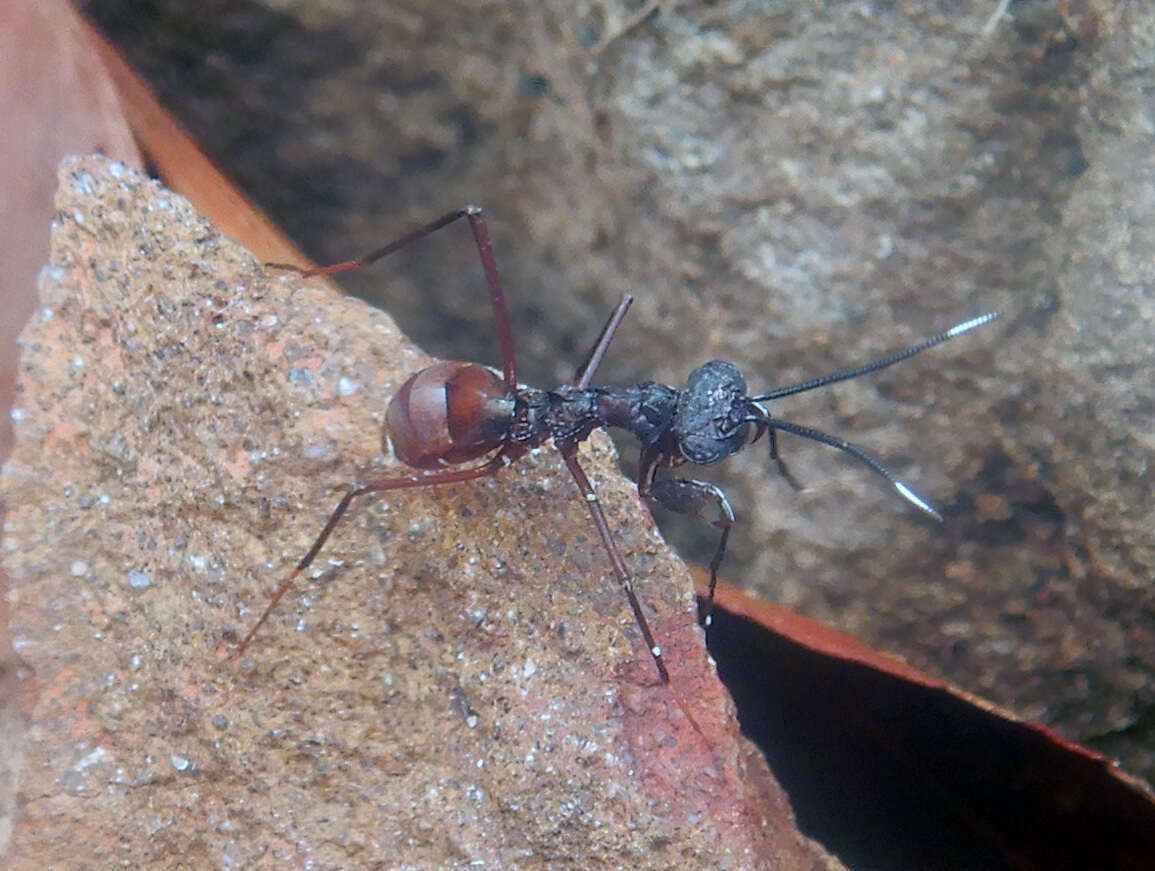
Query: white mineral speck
[
  {"x": 98, "y": 754},
  {"x": 317, "y": 451}
]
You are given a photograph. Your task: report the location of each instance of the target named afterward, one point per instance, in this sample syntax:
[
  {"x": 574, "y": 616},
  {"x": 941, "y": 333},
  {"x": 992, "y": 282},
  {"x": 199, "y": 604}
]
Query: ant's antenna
[
  {"x": 897, "y": 357},
  {"x": 846, "y": 447},
  {"x": 762, "y": 418}
]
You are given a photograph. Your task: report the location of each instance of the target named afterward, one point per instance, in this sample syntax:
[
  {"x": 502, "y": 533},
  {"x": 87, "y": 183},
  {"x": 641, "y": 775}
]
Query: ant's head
[
  {"x": 714, "y": 413},
  {"x": 712, "y": 418}
]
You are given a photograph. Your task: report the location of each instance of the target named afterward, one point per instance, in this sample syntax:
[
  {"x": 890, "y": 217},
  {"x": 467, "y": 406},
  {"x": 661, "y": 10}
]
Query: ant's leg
[
  {"x": 589, "y": 366},
  {"x": 690, "y": 497},
  {"x": 568, "y": 451},
  {"x": 447, "y": 477},
  {"x": 488, "y": 264},
  {"x": 385, "y": 250}
]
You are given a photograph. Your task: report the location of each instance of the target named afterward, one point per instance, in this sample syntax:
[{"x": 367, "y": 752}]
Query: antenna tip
[
  {"x": 965, "y": 326},
  {"x": 916, "y": 500}
]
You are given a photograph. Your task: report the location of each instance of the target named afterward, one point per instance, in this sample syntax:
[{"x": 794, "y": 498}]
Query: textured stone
[{"x": 459, "y": 681}]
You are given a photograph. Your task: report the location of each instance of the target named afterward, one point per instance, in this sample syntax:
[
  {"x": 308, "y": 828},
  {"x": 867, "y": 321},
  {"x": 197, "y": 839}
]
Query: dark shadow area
[{"x": 890, "y": 774}]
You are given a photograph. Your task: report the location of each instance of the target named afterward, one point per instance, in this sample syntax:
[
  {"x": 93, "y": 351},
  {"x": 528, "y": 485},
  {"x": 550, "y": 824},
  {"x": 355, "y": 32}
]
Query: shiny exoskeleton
[{"x": 455, "y": 413}]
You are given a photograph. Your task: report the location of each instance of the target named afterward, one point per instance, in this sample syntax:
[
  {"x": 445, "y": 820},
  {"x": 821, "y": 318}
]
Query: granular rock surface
[{"x": 457, "y": 683}]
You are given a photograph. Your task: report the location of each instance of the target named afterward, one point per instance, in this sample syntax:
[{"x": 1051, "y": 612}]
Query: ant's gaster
[{"x": 455, "y": 413}]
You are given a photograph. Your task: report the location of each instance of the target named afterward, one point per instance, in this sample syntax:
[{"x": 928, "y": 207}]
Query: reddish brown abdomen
[{"x": 449, "y": 413}]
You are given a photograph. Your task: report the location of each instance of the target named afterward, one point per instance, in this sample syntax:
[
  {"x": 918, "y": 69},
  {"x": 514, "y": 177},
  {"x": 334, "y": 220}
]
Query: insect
[{"x": 455, "y": 413}]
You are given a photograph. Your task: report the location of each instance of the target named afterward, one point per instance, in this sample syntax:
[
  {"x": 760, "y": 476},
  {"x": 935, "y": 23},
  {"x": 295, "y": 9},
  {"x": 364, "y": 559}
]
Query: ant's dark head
[{"x": 711, "y": 419}]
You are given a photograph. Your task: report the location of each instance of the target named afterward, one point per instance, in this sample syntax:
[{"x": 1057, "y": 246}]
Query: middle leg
[{"x": 568, "y": 451}]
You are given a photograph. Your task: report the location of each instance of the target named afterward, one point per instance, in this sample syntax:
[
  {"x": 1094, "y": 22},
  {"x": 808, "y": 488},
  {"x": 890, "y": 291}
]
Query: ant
[{"x": 455, "y": 412}]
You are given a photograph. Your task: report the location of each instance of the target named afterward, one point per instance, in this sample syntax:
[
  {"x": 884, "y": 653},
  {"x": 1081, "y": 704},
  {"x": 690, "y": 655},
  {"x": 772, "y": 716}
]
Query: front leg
[{"x": 686, "y": 496}]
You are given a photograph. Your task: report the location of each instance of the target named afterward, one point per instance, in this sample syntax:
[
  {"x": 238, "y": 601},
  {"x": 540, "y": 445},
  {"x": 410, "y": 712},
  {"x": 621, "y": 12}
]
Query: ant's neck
[{"x": 644, "y": 410}]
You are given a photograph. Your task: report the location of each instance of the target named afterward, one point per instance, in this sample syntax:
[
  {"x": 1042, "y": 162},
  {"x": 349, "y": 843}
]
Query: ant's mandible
[{"x": 455, "y": 412}]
